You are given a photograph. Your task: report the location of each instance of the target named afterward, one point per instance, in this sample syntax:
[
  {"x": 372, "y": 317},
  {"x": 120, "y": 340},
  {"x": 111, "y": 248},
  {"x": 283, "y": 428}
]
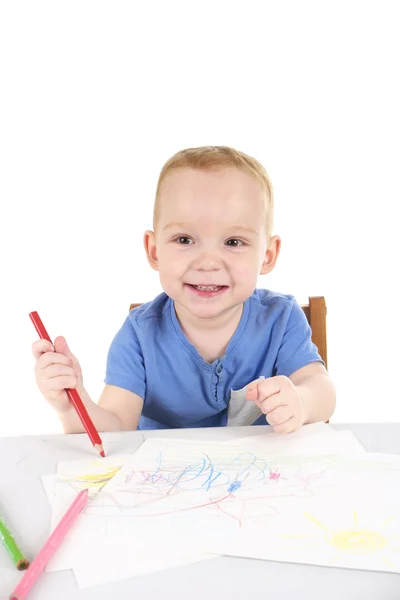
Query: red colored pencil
[{"x": 72, "y": 394}]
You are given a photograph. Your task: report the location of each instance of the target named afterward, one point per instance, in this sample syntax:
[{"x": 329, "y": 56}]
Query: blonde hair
[{"x": 208, "y": 158}]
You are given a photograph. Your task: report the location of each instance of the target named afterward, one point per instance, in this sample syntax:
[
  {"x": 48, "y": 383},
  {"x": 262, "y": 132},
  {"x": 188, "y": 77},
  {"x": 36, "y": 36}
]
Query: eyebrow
[{"x": 230, "y": 228}]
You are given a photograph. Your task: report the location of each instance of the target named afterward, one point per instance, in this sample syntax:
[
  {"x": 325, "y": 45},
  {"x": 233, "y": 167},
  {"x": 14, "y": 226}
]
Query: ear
[
  {"x": 149, "y": 241},
  {"x": 271, "y": 255}
]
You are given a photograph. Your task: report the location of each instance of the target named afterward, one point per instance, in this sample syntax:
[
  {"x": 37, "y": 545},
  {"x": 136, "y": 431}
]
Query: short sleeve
[
  {"x": 297, "y": 349},
  {"x": 125, "y": 363}
]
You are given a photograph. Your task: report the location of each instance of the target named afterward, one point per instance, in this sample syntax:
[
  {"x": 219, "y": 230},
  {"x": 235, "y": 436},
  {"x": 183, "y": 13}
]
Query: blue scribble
[
  {"x": 204, "y": 474},
  {"x": 235, "y": 485}
]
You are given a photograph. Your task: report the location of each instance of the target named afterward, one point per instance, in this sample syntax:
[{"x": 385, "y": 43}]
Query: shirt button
[{"x": 220, "y": 369}]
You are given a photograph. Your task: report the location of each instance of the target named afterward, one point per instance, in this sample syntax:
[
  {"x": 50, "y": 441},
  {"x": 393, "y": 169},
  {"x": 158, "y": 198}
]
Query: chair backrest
[{"x": 315, "y": 312}]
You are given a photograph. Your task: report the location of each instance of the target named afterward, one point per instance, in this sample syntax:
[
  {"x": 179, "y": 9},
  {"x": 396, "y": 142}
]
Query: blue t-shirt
[{"x": 152, "y": 357}]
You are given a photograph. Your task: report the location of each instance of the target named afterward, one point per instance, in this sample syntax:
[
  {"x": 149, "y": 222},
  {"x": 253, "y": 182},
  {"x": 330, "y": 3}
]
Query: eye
[
  {"x": 234, "y": 243},
  {"x": 183, "y": 240}
]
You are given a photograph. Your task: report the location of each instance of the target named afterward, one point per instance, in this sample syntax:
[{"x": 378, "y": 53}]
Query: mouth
[{"x": 207, "y": 290}]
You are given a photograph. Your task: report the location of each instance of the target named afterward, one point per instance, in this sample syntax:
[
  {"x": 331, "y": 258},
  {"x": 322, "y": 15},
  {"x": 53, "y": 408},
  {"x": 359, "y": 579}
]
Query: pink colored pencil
[{"x": 41, "y": 560}]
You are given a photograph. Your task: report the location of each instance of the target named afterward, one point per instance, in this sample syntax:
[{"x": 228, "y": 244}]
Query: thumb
[
  {"x": 61, "y": 346},
  {"x": 252, "y": 391}
]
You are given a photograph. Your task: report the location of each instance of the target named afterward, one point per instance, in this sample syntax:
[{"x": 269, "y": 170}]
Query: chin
[
  {"x": 205, "y": 313},
  {"x": 202, "y": 312},
  {"x": 209, "y": 312}
]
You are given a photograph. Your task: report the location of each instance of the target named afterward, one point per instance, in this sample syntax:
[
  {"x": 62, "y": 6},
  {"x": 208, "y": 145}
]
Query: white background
[{"x": 96, "y": 96}]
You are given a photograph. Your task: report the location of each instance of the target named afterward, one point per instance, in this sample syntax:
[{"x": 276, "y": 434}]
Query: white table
[{"x": 24, "y": 459}]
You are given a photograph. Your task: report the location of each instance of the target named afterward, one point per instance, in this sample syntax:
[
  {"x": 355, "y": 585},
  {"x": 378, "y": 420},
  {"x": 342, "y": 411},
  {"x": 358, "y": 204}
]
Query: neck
[
  {"x": 210, "y": 336},
  {"x": 226, "y": 320}
]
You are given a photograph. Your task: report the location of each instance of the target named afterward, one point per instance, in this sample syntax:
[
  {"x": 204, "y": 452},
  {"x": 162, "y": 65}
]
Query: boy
[{"x": 211, "y": 350}]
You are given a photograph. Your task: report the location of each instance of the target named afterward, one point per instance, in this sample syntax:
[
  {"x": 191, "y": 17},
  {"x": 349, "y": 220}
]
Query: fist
[
  {"x": 280, "y": 401},
  {"x": 56, "y": 369}
]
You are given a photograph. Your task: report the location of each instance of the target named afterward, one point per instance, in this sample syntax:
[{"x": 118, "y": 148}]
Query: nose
[{"x": 207, "y": 261}]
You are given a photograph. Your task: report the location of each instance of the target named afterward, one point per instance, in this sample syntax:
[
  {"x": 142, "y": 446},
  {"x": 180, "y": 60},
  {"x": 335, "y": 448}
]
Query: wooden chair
[{"x": 315, "y": 312}]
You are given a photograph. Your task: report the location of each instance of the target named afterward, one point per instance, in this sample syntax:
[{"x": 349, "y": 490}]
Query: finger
[
  {"x": 40, "y": 347},
  {"x": 252, "y": 392},
  {"x": 61, "y": 346},
  {"x": 53, "y": 358},
  {"x": 279, "y": 415},
  {"x": 288, "y": 427},
  {"x": 268, "y": 387},
  {"x": 272, "y": 403},
  {"x": 56, "y": 384},
  {"x": 57, "y": 371}
]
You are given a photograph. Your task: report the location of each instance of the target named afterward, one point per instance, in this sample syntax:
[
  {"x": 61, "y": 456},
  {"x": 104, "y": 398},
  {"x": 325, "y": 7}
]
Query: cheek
[
  {"x": 170, "y": 262},
  {"x": 245, "y": 263},
  {"x": 246, "y": 271},
  {"x": 165, "y": 253}
]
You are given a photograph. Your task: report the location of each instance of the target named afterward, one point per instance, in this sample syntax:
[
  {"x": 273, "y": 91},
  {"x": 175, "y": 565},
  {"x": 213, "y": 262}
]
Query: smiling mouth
[{"x": 207, "y": 288}]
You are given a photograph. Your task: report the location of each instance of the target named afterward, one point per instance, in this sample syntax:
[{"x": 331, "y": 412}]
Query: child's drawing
[
  {"x": 240, "y": 500},
  {"x": 223, "y": 486},
  {"x": 346, "y": 538},
  {"x": 92, "y": 481}
]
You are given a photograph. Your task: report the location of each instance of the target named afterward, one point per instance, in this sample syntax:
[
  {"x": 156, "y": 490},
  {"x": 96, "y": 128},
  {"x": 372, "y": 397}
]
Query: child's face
[{"x": 210, "y": 242}]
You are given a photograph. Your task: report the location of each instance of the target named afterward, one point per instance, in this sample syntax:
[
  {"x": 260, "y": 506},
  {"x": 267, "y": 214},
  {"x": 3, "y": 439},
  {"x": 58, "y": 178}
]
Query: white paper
[
  {"x": 355, "y": 525},
  {"x": 89, "y": 538},
  {"x": 342, "y": 442},
  {"x": 62, "y": 489},
  {"x": 231, "y": 435},
  {"x": 120, "y": 560},
  {"x": 174, "y": 502},
  {"x": 260, "y": 431},
  {"x": 169, "y": 488}
]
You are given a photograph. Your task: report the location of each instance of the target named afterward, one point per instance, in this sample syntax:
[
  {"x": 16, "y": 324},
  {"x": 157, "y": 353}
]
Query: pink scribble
[{"x": 308, "y": 479}]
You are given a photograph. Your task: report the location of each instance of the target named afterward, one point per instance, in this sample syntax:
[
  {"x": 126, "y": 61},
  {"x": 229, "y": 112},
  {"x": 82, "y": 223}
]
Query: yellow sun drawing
[
  {"x": 358, "y": 540},
  {"x": 370, "y": 543}
]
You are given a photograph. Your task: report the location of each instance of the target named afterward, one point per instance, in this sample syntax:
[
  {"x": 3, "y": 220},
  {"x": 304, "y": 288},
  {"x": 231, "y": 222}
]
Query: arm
[
  {"x": 117, "y": 410},
  {"x": 121, "y": 401},
  {"x": 301, "y": 390},
  {"x": 316, "y": 390}
]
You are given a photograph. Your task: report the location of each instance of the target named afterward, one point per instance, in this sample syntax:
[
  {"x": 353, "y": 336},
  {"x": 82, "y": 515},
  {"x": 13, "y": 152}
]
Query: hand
[
  {"x": 56, "y": 369},
  {"x": 280, "y": 400}
]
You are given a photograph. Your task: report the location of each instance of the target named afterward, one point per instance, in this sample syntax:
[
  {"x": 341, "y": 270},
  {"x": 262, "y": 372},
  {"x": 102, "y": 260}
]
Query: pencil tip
[{"x": 100, "y": 450}]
